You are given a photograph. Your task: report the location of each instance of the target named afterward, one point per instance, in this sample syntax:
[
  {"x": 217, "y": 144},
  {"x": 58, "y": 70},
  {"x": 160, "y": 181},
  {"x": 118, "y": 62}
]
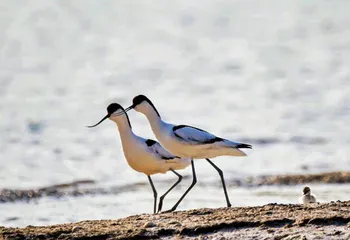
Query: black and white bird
[
  {"x": 188, "y": 142},
  {"x": 144, "y": 155},
  {"x": 307, "y": 197}
]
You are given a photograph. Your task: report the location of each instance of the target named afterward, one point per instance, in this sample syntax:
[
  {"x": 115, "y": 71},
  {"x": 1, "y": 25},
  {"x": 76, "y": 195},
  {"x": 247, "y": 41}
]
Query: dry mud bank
[{"x": 272, "y": 221}]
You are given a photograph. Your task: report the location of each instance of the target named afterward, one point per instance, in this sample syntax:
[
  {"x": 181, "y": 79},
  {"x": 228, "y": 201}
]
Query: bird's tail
[
  {"x": 234, "y": 148},
  {"x": 243, "y": 145}
]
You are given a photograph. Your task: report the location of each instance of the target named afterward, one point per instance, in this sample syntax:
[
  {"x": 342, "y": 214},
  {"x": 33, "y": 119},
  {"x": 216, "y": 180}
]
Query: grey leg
[
  {"x": 154, "y": 194},
  {"x": 172, "y": 187},
  {"x": 222, "y": 181},
  {"x": 194, "y": 181}
]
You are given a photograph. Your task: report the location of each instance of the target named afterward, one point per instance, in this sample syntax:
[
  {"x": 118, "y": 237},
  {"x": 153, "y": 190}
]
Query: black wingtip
[{"x": 243, "y": 145}]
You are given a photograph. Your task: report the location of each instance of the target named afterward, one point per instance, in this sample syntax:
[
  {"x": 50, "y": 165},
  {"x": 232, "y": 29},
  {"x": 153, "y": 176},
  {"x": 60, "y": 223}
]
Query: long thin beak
[
  {"x": 105, "y": 117},
  {"x": 126, "y": 110}
]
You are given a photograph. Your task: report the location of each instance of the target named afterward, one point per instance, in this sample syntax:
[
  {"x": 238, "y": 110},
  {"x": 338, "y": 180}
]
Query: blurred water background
[{"x": 274, "y": 74}]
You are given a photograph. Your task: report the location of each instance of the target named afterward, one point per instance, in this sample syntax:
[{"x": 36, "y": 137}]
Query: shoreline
[
  {"x": 87, "y": 186},
  {"x": 276, "y": 221}
]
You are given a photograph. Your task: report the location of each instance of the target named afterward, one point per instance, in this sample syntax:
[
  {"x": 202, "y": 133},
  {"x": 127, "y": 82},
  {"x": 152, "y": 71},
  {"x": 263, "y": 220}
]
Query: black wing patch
[
  {"x": 168, "y": 158},
  {"x": 189, "y": 138},
  {"x": 243, "y": 145},
  {"x": 150, "y": 142}
]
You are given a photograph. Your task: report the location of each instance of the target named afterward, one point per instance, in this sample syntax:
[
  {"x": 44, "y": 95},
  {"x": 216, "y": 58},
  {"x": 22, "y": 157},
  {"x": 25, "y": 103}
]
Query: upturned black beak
[{"x": 105, "y": 117}]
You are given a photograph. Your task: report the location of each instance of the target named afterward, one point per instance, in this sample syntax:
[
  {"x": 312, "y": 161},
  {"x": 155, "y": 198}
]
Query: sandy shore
[{"x": 272, "y": 221}]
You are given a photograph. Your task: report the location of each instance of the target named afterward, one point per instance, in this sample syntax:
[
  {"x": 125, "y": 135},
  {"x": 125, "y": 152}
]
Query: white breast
[{"x": 307, "y": 199}]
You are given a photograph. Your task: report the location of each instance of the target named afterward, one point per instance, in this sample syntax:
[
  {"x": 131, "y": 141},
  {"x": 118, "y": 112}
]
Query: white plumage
[
  {"x": 188, "y": 142},
  {"x": 183, "y": 140},
  {"x": 148, "y": 156},
  {"x": 307, "y": 197},
  {"x": 144, "y": 155},
  {"x": 192, "y": 135},
  {"x": 202, "y": 143}
]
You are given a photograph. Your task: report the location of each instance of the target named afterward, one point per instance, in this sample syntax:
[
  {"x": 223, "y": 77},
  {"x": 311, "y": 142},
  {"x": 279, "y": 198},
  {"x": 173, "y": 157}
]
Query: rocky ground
[{"x": 272, "y": 221}]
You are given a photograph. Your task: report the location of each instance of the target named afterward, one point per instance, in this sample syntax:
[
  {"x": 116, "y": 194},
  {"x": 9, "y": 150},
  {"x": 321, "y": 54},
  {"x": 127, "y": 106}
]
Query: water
[{"x": 273, "y": 74}]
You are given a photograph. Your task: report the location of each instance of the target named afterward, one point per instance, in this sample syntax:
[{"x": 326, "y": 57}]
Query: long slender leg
[
  {"x": 160, "y": 205},
  {"x": 222, "y": 180},
  {"x": 154, "y": 194},
  {"x": 194, "y": 181}
]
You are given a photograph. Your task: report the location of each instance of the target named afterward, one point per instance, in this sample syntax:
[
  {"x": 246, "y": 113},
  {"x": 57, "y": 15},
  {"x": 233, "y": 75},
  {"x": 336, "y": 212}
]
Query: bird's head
[
  {"x": 142, "y": 104},
  {"x": 114, "y": 112},
  {"x": 306, "y": 190}
]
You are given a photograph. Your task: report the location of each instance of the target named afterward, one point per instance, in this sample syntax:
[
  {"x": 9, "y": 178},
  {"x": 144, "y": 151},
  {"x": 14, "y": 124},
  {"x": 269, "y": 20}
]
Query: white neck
[
  {"x": 156, "y": 122},
  {"x": 125, "y": 131}
]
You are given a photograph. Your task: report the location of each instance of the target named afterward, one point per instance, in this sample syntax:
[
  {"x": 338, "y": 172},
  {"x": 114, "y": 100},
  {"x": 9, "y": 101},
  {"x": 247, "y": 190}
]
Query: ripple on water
[{"x": 294, "y": 139}]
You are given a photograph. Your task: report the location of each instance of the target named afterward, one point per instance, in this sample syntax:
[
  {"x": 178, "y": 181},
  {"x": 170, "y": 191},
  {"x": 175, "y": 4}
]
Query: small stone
[
  {"x": 64, "y": 236},
  {"x": 175, "y": 223},
  {"x": 76, "y": 229},
  {"x": 149, "y": 225}
]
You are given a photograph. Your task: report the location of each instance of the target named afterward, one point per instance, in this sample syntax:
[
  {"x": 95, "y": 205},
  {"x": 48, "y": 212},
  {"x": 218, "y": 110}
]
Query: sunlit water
[{"x": 274, "y": 74}]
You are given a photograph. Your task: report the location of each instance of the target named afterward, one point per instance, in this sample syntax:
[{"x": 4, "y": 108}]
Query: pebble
[
  {"x": 176, "y": 223},
  {"x": 150, "y": 225},
  {"x": 64, "y": 236},
  {"x": 76, "y": 229}
]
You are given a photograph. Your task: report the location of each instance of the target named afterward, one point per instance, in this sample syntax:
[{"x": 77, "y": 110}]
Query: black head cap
[
  {"x": 139, "y": 99},
  {"x": 306, "y": 190},
  {"x": 113, "y": 107}
]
